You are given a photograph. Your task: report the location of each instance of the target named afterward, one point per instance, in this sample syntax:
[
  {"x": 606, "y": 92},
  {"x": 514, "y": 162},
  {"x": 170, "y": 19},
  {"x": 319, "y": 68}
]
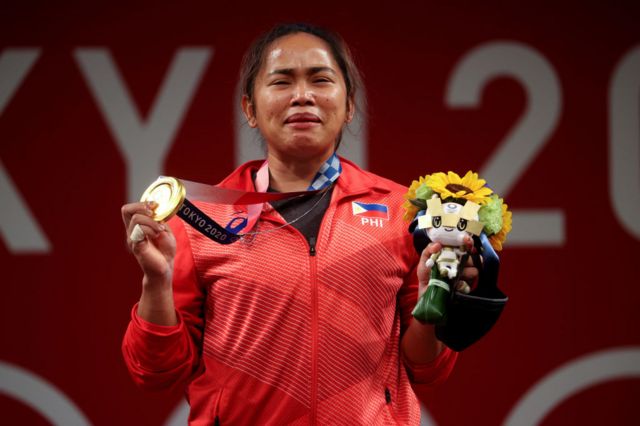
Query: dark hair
[{"x": 254, "y": 57}]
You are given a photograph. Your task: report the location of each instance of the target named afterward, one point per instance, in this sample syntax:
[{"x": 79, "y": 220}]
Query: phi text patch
[{"x": 372, "y": 214}]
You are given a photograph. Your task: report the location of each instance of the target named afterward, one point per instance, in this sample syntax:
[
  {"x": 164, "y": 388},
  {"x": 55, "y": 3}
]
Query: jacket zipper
[
  {"x": 312, "y": 246},
  {"x": 315, "y": 315},
  {"x": 313, "y": 270},
  {"x": 314, "y": 331}
]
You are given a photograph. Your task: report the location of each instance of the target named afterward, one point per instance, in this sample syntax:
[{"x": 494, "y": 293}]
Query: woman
[{"x": 309, "y": 320}]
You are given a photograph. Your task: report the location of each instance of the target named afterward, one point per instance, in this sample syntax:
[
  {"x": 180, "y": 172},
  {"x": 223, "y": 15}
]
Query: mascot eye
[
  {"x": 436, "y": 221},
  {"x": 462, "y": 224}
]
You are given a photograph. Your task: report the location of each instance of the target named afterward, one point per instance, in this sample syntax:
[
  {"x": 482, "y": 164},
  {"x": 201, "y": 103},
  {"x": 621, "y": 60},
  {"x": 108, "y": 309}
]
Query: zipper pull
[{"x": 312, "y": 246}]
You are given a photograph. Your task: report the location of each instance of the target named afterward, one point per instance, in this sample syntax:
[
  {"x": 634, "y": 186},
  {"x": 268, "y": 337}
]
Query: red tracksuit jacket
[{"x": 271, "y": 333}]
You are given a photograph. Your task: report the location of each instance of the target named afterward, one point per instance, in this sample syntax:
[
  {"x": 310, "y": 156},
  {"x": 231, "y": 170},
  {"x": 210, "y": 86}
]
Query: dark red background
[{"x": 63, "y": 313}]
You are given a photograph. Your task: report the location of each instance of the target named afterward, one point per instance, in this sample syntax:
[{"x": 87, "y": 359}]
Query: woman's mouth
[{"x": 303, "y": 120}]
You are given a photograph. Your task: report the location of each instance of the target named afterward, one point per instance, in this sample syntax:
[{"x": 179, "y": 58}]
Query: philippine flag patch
[{"x": 370, "y": 210}]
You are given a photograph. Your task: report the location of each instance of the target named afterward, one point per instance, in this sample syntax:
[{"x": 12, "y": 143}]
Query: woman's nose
[{"x": 302, "y": 95}]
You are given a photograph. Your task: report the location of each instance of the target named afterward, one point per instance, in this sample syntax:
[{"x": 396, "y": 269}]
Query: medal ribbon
[{"x": 328, "y": 173}]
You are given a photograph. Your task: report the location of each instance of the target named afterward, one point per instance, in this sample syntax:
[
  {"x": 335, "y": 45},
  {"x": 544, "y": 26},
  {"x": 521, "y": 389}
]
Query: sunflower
[
  {"x": 470, "y": 187},
  {"x": 499, "y": 237},
  {"x": 417, "y": 186}
]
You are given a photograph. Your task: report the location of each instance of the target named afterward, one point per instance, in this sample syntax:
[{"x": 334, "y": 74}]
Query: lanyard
[
  {"x": 171, "y": 195},
  {"x": 326, "y": 175}
]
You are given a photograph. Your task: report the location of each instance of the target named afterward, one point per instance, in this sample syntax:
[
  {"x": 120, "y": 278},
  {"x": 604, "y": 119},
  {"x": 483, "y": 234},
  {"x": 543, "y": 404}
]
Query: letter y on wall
[{"x": 144, "y": 143}]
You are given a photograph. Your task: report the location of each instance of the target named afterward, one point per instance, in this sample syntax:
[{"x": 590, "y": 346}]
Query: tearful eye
[
  {"x": 436, "y": 221},
  {"x": 462, "y": 224}
]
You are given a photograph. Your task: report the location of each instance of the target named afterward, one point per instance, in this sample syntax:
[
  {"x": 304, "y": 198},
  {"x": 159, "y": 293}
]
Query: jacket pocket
[
  {"x": 216, "y": 409},
  {"x": 388, "y": 400}
]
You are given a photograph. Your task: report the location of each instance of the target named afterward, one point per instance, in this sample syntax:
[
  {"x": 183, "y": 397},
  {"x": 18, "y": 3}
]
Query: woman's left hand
[{"x": 469, "y": 273}]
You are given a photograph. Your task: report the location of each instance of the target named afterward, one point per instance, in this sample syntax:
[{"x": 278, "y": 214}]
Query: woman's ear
[
  {"x": 249, "y": 111},
  {"x": 351, "y": 109}
]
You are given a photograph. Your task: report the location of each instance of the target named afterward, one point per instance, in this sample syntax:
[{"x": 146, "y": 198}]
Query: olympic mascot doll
[{"x": 446, "y": 208}]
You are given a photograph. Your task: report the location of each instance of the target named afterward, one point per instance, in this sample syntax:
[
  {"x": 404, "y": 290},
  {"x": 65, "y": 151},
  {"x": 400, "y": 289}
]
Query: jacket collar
[{"x": 353, "y": 179}]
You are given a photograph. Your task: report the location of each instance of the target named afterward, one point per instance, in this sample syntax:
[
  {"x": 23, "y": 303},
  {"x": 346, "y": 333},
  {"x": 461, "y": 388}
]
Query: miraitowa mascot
[{"x": 446, "y": 208}]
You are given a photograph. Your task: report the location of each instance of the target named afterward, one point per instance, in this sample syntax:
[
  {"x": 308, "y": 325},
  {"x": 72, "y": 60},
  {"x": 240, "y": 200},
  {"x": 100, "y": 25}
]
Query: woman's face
[{"x": 300, "y": 99}]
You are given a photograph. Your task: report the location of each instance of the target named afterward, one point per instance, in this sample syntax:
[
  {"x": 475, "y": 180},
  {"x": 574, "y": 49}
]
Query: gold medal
[{"x": 169, "y": 193}]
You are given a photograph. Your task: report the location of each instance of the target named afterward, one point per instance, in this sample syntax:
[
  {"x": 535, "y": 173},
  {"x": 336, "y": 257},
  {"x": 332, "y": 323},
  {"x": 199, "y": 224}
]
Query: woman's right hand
[{"x": 156, "y": 251}]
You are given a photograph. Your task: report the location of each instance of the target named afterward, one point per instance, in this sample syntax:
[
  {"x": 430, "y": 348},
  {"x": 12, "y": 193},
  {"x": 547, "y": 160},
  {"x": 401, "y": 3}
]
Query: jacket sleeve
[
  {"x": 160, "y": 357},
  {"x": 437, "y": 370}
]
